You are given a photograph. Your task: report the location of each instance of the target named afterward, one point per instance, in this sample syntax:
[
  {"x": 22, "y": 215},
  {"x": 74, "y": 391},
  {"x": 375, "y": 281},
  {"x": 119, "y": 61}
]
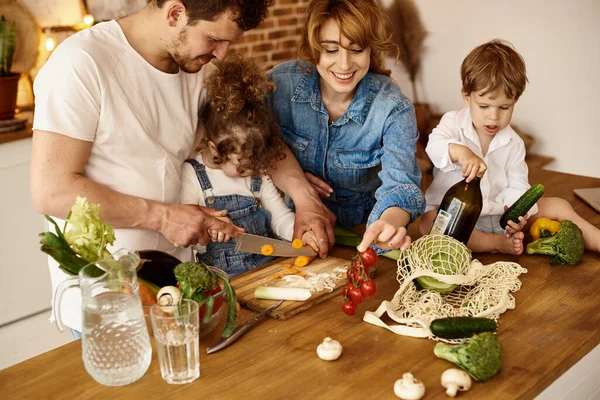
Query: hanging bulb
[
  {"x": 88, "y": 19},
  {"x": 50, "y": 43}
]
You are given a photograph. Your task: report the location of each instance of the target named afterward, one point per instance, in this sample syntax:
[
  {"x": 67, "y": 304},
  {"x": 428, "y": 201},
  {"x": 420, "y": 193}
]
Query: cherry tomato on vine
[
  {"x": 345, "y": 292},
  {"x": 349, "y": 308},
  {"x": 354, "y": 276},
  {"x": 368, "y": 289},
  {"x": 368, "y": 257},
  {"x": 355, "y": 295}
]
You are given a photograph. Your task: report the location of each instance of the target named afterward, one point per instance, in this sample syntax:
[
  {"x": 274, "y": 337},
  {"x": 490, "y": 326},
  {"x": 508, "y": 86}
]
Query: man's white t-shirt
[
  {"x": 503, "y": 183},
  {"x": 142, "y": 122}
]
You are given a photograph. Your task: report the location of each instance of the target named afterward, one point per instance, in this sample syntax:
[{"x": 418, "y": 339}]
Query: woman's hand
[
  {"x": 319, "y": 184},
  {"x": 386, "y": 236},
  {"x": 310, "y": 239}
]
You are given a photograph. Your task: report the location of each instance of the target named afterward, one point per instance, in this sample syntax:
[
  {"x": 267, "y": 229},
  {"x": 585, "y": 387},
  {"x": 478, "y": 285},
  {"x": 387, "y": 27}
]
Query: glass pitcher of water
[{"x": 115, "y": 343}]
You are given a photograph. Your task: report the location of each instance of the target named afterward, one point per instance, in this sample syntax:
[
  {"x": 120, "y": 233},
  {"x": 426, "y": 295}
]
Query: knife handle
[{"x": 240, "y": 330}]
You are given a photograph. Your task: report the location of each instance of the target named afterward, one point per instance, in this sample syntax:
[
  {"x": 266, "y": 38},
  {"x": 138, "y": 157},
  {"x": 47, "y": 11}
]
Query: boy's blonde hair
[
  {"x": 361, "y": 21},
  {"x": 494, "y": 65}
]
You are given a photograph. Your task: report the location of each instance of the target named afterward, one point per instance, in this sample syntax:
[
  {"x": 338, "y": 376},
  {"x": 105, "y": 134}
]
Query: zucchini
[
  {"x": 461, "y": 327},
  {"x": 522, "y": 205}
]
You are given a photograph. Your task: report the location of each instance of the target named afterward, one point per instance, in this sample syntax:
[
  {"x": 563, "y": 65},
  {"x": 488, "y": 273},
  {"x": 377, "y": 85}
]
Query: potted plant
[{"x": 8, "y": 81}]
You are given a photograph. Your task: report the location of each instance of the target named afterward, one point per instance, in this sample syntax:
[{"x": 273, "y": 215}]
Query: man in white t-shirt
[{"x": 116, "y": 115}]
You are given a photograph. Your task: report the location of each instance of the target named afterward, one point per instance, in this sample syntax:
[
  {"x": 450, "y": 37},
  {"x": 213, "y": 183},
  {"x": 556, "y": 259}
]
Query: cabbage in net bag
[{"x": 463, "y": 287}]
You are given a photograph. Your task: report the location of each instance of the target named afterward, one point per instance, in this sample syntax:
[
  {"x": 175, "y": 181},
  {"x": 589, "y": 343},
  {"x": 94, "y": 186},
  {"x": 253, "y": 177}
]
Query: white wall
[
  {"x": 560, "y": 41},
  {"x": 26, "y": 288}
]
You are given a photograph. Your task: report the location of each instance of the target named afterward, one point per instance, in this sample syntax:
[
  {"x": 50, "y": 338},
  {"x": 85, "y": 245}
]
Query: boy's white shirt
[
  {"x": 503, "y": 183},
  {"x": 282, "y": 218}
]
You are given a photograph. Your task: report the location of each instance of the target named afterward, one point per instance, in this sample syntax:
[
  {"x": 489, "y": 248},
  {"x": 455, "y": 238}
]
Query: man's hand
[
  {"x": 188, "y": 224},
  {"x": 322, "y": 188},
  {"x": 313, "y": 215}
]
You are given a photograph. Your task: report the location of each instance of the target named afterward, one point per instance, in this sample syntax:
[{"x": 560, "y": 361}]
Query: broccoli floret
[
  {"x": 194, "y": 279},
  {"x": 567, "y": 245},
  {"x": 481, "y": 357},
  {"x": 195, "y": 283}
]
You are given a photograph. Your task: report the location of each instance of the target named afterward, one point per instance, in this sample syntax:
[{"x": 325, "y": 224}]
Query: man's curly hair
[
  {"x": 247, "y": 14},
  {"x": 236, "y": 117}
]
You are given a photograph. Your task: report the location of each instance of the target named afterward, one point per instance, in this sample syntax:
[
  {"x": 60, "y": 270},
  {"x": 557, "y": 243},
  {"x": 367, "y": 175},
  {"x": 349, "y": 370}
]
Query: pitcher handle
[{"x": 58, "y": 294}]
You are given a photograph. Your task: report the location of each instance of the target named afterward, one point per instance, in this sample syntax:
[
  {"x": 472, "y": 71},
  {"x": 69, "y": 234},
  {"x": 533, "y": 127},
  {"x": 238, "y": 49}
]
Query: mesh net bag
[{"x": 468, "y": 288}]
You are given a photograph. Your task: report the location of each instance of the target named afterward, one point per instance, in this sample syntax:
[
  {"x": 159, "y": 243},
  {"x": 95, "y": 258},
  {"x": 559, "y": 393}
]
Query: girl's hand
[
  {"x": 217, "y": 236},
  {"x": 319, "y": 184},
  {"x": 310, "y": 239},
  {"x": 386, "y": 236},
  {"x": 513, "y": 227}
]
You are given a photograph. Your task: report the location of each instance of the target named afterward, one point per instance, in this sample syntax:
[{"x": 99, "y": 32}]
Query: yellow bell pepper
[{"x": 544, "y": 227}]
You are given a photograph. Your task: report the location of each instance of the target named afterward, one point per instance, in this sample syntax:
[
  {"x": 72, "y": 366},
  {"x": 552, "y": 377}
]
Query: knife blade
[
  {"x": 253, "y": 244},
  {"x": 240, "y": 330}
]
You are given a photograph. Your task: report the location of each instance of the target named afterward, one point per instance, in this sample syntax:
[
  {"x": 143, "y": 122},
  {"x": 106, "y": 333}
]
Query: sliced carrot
[
  {"x": 300, "y": 274},
  {"x": 267, "y": 250},
  {"x": 301, "y": 261},
  {"x": 286, "y": 266},
  {"x": 275, "y": 276},
  {"x": 297, "y": 244}
]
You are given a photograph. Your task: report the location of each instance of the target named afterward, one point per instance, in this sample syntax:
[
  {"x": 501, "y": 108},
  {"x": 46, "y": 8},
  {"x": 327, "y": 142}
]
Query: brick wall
[{"x": 275, "y": 40}]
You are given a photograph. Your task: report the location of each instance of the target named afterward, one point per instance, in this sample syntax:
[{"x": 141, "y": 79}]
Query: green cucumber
[
  {"x": 461, "y": 327},
  {"x": 522, "y": 205}
]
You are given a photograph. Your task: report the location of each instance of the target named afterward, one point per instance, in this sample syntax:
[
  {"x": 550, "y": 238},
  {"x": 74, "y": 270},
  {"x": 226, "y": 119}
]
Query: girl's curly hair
[{"x": 236, "y": 117}]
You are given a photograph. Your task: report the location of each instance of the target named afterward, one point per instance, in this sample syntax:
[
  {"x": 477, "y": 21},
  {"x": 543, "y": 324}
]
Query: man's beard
[{"x": 184, "y": 61}]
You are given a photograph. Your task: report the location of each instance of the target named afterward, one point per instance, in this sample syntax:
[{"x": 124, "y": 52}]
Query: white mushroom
[
  {"x": 409, "y": 387},
  {"x": 329, "y": 350},
  {"x": 167, "y": 298},
  {"x": 454, "y": 380}
]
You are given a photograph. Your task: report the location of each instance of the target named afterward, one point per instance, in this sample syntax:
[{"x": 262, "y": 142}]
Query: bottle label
[{"x": 441, "y": 223}]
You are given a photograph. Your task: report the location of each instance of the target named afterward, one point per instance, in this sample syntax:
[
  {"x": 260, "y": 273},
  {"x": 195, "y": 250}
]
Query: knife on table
[
  {"x": 240, "y": 330},
  {"x": 248, "y": 243}
]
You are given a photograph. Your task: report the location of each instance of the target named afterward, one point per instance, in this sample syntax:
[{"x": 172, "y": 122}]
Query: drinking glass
[{"x": 176, "y": 335}]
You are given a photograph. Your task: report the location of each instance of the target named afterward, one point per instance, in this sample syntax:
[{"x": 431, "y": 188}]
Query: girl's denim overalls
[{"x": 245, "y": 212}]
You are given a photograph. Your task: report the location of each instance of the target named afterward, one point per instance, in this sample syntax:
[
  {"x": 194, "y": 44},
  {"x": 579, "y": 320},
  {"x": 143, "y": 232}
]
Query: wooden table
[{"x": 555, "y": 323}]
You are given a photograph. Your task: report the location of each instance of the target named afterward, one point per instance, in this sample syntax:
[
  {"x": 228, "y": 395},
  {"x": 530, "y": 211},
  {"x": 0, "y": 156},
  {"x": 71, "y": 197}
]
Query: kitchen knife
[
  {"x": 253, "y": 244},
  {"x": 240, "y": 330}
]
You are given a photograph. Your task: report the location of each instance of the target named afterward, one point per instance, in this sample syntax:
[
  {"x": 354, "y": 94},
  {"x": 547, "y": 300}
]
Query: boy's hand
[
  {"x": 471, "y": 164},
  {"x": 513, "y": 227}
]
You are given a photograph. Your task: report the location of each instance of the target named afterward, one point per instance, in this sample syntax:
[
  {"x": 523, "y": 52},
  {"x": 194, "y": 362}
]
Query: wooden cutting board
[{"x": 245, "y": 284}]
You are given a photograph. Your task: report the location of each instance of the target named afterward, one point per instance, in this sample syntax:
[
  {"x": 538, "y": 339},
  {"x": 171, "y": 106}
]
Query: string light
[
  {"x": 88, "y": 19},
  {"x": 50, "y": 43}
]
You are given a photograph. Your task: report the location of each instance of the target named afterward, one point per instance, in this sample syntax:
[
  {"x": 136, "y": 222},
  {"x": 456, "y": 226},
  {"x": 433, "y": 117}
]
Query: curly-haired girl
[{"x": 241, "y": 142}]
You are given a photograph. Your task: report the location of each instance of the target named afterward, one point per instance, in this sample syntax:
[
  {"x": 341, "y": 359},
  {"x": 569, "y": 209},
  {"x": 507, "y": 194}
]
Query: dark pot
[{"x": 8, "y": 95}]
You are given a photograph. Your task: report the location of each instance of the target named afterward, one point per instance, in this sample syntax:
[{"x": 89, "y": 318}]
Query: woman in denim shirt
[{"x": 348, "y": 124}]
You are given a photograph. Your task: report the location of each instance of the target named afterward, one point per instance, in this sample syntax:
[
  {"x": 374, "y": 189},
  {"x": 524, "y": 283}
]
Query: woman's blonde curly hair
[{"x": 236, "y": 117}]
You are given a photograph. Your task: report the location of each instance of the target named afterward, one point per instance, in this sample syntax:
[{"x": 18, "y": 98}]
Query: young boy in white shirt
[{"x": 468, "y": 141}]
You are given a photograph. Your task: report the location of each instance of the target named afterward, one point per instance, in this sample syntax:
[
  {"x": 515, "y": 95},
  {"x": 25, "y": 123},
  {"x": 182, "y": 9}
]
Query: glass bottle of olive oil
[{"x": 459, "y": 211}]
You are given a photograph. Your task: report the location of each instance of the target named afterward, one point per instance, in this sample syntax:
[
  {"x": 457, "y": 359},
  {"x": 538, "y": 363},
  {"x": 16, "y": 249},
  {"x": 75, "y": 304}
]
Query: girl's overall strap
[
  {"x": 255, "y": 184},
  {"x": 203, "y": 179}
]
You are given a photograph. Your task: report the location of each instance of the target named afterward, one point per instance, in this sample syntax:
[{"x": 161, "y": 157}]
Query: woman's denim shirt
[{"x": 371, "y": 148}]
